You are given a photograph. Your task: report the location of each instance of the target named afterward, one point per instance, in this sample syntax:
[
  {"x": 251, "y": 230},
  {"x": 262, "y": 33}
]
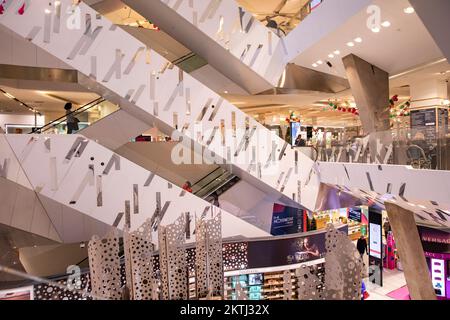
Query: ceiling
[
  {"x": 403, "y": 45},
  {"x": 42, "y": 101}
]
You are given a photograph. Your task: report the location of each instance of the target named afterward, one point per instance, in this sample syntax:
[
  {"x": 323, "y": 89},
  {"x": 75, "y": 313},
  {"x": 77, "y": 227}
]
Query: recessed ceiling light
[
  {"x": 408, "y": 10},
  {"x": 375, "y": 30},
  {"x": 350, "y": 44},
  {"x": 337, "y": 52},
  {"x": 359, "y": 40},
  {"x": 315, "y": 65},
  {"x": 331, "y": 56},
  {"x": 319, "y": 62},
  {"x": 386, "y": 24},
  {"x": 225, "y": 91}
]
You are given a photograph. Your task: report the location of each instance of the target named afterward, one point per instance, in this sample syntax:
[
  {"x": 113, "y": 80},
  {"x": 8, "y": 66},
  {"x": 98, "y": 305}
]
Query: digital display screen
[
  {"x": 375, "y": 240},
  {"x": 255, "y": 279},
  {"x": 243, "y": 279},
  {"x": 354, "y": 214}
]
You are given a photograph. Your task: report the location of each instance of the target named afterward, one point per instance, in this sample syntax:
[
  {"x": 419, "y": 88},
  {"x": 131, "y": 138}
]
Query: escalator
[
  {"x": 218, "y": 181},
  {"x": 87, "y": 115}
]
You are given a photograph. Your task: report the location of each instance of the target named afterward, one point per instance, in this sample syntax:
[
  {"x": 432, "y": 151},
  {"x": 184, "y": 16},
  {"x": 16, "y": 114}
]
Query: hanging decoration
[
  {"x": 402, "y": 110},
  {"x": 292, "y": 118},
  {"x": 341, "y": 108}
]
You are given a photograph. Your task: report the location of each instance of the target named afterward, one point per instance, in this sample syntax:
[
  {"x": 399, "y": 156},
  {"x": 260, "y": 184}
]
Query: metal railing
[
  {"x": 421, "y": 148},
  {"x": 62, "y": 119}
]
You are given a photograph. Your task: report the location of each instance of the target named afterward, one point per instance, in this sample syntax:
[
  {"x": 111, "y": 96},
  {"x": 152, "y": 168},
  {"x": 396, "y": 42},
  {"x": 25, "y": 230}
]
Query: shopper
[
  {"x": 300, "y": 142},
  {"x": 187, "y": 186},
  {"x": 72, "y": 122},
  {"x": 215, "y": 200},
  {"x": 386, "y": 228},
  {"x": 361, "y": 246}
]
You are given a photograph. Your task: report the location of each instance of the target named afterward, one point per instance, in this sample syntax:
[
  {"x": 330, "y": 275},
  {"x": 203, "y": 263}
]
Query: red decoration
[{"x": 21, "y": 10}]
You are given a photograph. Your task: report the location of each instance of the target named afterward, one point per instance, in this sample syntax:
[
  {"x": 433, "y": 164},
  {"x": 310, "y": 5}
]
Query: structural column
[
  {"x": 370, "y": 88},
  {"x": 411, "y": 252}
]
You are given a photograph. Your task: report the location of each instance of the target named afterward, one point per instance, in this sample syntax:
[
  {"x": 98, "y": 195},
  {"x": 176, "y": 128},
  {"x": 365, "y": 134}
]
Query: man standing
[{"x": 361, "y": 245}]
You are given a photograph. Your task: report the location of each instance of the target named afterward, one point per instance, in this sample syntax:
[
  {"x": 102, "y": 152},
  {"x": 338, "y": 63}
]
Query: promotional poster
[{"x": 287, "y": 251}]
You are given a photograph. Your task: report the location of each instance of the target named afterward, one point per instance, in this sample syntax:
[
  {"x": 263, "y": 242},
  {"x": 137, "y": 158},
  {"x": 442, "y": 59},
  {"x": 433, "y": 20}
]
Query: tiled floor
[{"x": 392, "y": 280}]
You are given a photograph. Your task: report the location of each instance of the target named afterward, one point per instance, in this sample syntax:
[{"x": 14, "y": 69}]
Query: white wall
[{"x": 18, "y": 51}]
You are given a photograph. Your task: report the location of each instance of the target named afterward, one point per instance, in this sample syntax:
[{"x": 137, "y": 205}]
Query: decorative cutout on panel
[
  {"x": 287, "y": 285},
  {"x": 44, "y": 291},
  {"x": 140, "y": 275},
  {"x": 173, "y": 266},
  {"x": 343, "y": 271},
  {"x": 343, "y": 267},
  {"x": 310, "y": 284},
  {"x": 208, "y": 258},
  {"x": 104, "y": 264},
  {"x": 235, "y": 256}
]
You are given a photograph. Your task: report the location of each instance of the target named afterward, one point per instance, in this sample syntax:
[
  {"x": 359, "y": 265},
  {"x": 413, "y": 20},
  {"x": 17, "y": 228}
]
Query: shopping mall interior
[{"x": 224, "y": 150}]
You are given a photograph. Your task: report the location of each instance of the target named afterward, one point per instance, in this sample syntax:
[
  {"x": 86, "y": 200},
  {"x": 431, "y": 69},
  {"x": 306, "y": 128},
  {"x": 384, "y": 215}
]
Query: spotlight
[{"x": 409, "y": 10}]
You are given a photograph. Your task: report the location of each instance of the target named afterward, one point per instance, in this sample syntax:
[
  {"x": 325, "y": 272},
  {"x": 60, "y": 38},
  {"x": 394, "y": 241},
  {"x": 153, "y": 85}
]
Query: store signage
[
  {"x": 284, "y": 220},
  {"x": 434, "y": 235}
]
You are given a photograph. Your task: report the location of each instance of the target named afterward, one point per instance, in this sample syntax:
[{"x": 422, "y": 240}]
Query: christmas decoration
[
  {"x": 347, "y": 108},
  {"x": 401, "y": 110}
]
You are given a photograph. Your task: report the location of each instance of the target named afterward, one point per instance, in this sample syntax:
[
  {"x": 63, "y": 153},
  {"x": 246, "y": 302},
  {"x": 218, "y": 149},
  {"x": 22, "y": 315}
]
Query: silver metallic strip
[
  {"x": 282, "y": 151},
  {"x": 127, "y": 214},
  {"x": 99, "y": 191},
  {"x": 57, "y": 17},
  {"x": 33, "y": 33},
  {"x": 204, "y": 109},
  {"x": 216, "y": 109},
  {"x": 255, "y": 55},
  {"x": 133, "y": 61},
  {"x": 86, "y": 41},
  {"x": 172, "y": 97},
  {"x": 279, "y": 179},
  {"x": 115, "y": 159},
  {"x": 116, "y": 67},
  {"x": 211, "y": 138},
  {"x": 155, "y": 109},
  {"x": 88, "y": 179},
  {"x": 47, "y": 27},
  {"x": 149, "y": 179},
  {"x": 47, "y": 144},
  {"x": 118, "y": 219},
  {"x": 138, "y": 93},
  {"x": 135, "y": 199},
  {"x": 93, "y": 73},
  {"x": 152, "y": 86},
  {"x": 286, "y": 179}
]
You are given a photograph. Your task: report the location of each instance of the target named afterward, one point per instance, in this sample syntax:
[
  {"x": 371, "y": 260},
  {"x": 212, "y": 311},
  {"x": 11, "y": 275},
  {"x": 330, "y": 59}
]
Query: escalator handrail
[
  {"x": 201, "y": 179},
  {"x": 86, "y": 107},
  {"x": 226, "y": 174},
  {"x": 210, "y": 192}
]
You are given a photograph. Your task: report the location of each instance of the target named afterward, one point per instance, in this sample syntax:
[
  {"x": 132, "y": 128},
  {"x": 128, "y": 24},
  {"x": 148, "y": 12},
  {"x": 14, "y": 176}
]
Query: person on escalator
[
  {"x": 215, "y": 200},
  {"x": 72, "y": 121},
  {"x": 187, "y": 186}
]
